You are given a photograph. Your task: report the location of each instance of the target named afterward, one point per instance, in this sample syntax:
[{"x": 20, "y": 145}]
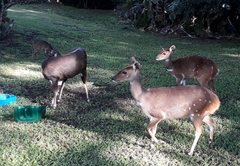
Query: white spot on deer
[
  {"x": 210, "y": 101},
  {"x": 192, "y": 115},
  {"x": 198, "y": 115},
  {"x": 184, "y": 110},
  {"x": 196, "y": 110},
  {"x": 194, "y": 105},
  {"x": 200, "y": 99},
  {"x": 189, "y": 108}
]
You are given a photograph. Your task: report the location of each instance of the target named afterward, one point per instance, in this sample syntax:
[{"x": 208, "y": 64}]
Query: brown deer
[
  {"x": 191, "y": 67},
  {"x": 165, "y": 103},
  {"x": 53, "y": 53},
  {"x": 58, "y": 69},
  {"x": 41, "y": 45}
]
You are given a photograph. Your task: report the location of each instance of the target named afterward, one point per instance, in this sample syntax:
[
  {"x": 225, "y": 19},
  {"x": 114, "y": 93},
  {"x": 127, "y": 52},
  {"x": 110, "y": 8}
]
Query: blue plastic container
[
  {"x": 29, "y": 113},
  {"x": 6, "y": 99}
]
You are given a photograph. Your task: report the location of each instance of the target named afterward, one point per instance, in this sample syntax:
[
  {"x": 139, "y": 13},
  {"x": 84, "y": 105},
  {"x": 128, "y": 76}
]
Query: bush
[{"x": 199, "y": 18}]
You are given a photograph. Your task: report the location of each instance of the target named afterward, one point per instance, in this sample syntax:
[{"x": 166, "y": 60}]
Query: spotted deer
[
  {"x": 190, "y": 67},
  {"x": 59, "y": 69},
  {"x": 165, "y": 103}
]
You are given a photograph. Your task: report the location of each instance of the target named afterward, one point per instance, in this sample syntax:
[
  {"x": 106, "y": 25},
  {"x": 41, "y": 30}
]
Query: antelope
[
  {"x": 190, "y": 67},
  {"x": 165, "y": 103},
  {"x": 40, "y": 45},
  {"x": 53, "y": 53},
  {"x": 58, "y": 69}
]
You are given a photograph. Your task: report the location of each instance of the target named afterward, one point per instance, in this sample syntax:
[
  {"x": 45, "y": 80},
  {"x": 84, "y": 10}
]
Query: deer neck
[
  {"x": 169, "y": 64},
  {"x": 136, "y": 88}
]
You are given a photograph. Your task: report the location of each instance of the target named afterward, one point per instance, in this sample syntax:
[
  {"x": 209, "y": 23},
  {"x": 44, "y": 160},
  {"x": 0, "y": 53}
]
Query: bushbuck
[
  {"x": 190, "y": 67},
  {"x": 58, "y": 69},
  {"x": 196, "y": 102},
  {"x": 41, "y": 45}
]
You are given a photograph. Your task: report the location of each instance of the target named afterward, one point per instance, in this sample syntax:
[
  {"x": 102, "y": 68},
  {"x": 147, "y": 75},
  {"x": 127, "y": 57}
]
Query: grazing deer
[
  {"x": 54, "y": 53},
  {"x": 58, "y": 69},
  {"x": 197, "y": 67},
  {"x": 165, "y": 103},
  {"x": 40, "y": 45}
]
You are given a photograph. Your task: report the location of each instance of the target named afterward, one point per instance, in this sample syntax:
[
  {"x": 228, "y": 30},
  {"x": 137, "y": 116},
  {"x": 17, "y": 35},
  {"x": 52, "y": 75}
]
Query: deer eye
[{"x": 124, "y": 72}]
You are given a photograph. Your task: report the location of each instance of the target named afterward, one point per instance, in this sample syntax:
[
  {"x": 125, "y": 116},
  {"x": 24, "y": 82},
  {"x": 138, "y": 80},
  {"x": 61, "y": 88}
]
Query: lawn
[{"x": 110, "y": 129}]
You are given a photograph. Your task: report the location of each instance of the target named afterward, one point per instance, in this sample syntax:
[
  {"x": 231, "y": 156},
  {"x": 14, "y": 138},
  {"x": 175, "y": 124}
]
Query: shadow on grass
[
  {"x": 108, "y": 115},
  {"x": 89, "y": 154}
]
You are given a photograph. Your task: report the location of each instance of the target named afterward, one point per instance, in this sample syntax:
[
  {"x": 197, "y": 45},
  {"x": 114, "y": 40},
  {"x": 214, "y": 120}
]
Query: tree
[{"x": 6, "y": 24}]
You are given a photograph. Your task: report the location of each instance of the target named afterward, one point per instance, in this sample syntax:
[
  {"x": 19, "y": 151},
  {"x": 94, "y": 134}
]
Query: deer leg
[
  {"x": 61, "y": 90},
  {"x": 198, "y": 131},
  {"x": 203, "y": 82},
  {"x": 34, "y": 53},
  {"x": 211, "y": 85},
  {"x": 180, "y": 81},
  {"x": 152, "y": 128},
  {"x": 183, "y": 82},
  {"x": 84, "y": 80},
  {"x": 210, "y": 123},
  {"x": 55, "y": 92}
]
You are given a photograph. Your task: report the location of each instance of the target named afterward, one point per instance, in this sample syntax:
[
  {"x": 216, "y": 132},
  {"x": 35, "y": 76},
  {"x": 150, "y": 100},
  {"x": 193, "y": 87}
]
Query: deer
[
  {"x": 53, "y": 53},
  {"x": 190, "y": 67},
  {"x": 39, "y": 45},
  {"x": 169, "y": 103},
  {"x": 59, "y": 69}
]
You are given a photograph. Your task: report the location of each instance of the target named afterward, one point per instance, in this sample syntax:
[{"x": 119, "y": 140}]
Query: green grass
[{"x": 110, "y": 130}]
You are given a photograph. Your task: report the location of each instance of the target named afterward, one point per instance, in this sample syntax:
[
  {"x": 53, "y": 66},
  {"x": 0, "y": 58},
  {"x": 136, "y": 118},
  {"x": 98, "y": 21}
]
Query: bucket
[{"x": 29, "y": 113}]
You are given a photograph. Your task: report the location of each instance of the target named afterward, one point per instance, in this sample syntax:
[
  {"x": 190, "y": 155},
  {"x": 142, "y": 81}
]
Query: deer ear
[
  {"x": 135, "y": 63},
  {"x": 172, "y": 48},
  {"x": 161, "y": 47},
  {"x": 136, "y": 66},
  {"x": 132, "y": 60}
]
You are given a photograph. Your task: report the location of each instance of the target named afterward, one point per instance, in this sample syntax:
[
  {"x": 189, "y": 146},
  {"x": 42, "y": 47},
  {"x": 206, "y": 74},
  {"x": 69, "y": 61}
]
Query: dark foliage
[
  {"x": 91, "y": 4},
  {"x": 196, "y": 18}
]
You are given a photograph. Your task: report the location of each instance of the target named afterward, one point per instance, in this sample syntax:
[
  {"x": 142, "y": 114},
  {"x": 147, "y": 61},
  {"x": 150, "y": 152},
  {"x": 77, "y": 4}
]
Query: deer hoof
[
  {"x": 190, "y": 153},
  {"x": 162, "y": 142},
  {"x": 158, "y": 141},
  {"x": 154, "y": 140},
  {"x": 54, "y": 106},
  {"x": 210, "y": 141}
]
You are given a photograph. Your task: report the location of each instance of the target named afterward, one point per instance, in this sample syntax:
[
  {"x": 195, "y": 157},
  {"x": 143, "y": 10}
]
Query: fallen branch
[{"x": 182, "y": 29}]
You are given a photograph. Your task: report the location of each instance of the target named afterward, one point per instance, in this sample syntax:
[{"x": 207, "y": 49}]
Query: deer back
[
  {"x": 66, "y": 66},
  {"x": 178, "y": 102},
  {"x": 42, "y": 45},
  {"x": 194, "y": 67}
]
